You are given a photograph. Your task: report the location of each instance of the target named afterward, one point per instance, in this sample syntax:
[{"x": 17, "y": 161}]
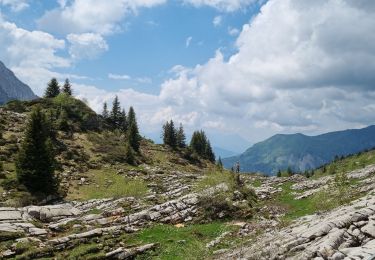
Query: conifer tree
[
  {"x": 53, "y": 89},
  {"x": 208, "y": 153},
  {"x": 220, "y": 164},
  {"x": 133, "y": 132},
  {"x": 169, "y": 134},
  {"x": 105, "y": 113},
  {"x": 181, "y": 138},
  {"x": 35, "y": 164},
  {"x": 129, "y": 154},
  {"x": 115, "y": 116},
  {"x": 123, "y": 121},
  {"x": 67, "y": 88}
]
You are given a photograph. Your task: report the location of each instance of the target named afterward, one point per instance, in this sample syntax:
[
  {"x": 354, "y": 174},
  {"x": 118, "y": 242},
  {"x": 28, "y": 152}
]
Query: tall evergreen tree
[
  {"x": 115, "y": 116},
  {"x": 35, "y": 164},
  {"x": 133, "y": 133},
  {"x": 181, "y": 138},
  {"x": 123, "y": 121},
  {"x": 202, "y": 146},
  {"x": 105, "y": 113},
  {"x": 169, "y": 134},
  {"x": 208, "y": 153},
  {"x": 53, "y": 89},
  {"x": 67, "y": 88},
  {"x": 220, "y": 164}
]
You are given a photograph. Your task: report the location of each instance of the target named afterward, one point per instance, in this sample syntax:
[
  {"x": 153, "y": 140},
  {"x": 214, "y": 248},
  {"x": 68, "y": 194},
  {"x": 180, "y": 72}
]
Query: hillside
[
  {"x": 301, "y": 152},
  {"x": 12, "y": 88}
]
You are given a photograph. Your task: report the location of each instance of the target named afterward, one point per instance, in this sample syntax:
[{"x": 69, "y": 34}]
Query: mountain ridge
[
  {"x": 302, "y": 152},
  {"x": 13, "y": 88}
]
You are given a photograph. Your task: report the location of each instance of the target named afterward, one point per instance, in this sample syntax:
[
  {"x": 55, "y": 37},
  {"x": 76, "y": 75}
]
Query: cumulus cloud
[
  {"x": 95, "y": 16},
  {"x": 15, "y": 5},
  {"x": 86, "y": 45},
  {"x": 300, "y": 66},
  {"x": 31, "y": 54}
]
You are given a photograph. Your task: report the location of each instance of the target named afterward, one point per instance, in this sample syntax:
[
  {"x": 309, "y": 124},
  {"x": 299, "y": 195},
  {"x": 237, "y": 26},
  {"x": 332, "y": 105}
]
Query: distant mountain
[
  {"x": 12, "y": 88},
  {"x": 221, "y": 152},
  {"x": 301, "y": 152}
]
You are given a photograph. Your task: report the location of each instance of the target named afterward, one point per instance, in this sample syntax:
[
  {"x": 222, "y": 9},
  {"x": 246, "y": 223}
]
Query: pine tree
[
  {"x": 278, "y": 173},
  {"x": 169, "y": 134},
  {"x": 133, "y": 132},
  {"x": 198, "y": 142},
  {"x": 53, "y": 89},
  {"x": 105, "y": 113},
  {"x": 123, "y": 121},
  {"x": 67, "y": 88},
  {"x": 181, "y": 138},
  {"x": 115, "y": 113},
  {"x": 35, "y": 164},
  {"x": 208, "y": 153},
  {"x": 220, "y": 164}
]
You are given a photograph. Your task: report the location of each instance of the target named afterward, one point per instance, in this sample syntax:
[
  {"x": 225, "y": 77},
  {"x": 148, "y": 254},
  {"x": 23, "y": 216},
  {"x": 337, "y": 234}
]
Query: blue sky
[{"x": 243, "y": 70}]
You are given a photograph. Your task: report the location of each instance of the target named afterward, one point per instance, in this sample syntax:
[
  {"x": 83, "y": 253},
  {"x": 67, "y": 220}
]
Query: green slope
[{"x": 301, "y": 152}]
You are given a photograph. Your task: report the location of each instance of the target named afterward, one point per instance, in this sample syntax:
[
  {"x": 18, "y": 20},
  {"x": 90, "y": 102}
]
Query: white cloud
[
  {"x": 118, "y": 77},
  {"x": 222, "y": 5},
  {"x": 300, "y": 66},
  {"x": 96, "y": 16},
  {"x": 86, "y": 45},
  {"x": 233, "y": 31},
  {"x": 188, "y": 41},
  {"x": 32, "y": 55},
  {"x": 15, "y": 5},
  {"x": 217, "y": 20}
]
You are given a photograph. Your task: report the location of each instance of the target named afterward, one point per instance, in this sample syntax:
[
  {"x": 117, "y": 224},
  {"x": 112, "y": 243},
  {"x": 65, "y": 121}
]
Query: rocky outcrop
[{"x": 344, "y": 233}]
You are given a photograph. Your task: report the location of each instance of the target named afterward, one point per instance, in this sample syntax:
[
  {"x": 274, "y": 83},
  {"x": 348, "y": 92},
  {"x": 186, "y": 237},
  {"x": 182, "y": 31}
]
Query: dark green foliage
[
  {"x": 105, "y": 113},
  {"x": 123, "y": 121},
  {"x": 62, "y": 122},
  {"x": 53, "y": 89},
  {"x": 278, "y": 173},
  {"x": 219, "y": 164},
  {"x": 181, "y": 138},
  {"x": 133, "y": 133},
  {"x": 67, "y": 88},
  {"x": 169, "y": 134},
  {"x": 115, "y": 116},
  {"x": 16, "y": 106},
  {"x": 35, "y": 164},
  {"x": 129, "y": 154},
  {"x": 201, "y": 145}
]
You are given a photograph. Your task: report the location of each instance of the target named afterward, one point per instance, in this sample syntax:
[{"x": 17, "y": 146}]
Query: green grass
[
  {"x": 351, "y": 163},
  {"x": 181, "y": 243},
  {"x": 256, "y": 183},
  {"x": 107, "y": 184},
  {"x": 213, "y": 179},
  {"x": 295, "y": 208}
]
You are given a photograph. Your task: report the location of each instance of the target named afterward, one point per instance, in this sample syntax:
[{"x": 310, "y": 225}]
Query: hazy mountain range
[
  {"x": 12, "y": 88},
  {"x": 302, "y": 152}
]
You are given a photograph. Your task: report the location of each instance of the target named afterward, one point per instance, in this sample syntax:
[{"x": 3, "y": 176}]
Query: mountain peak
[{"x": 11, "y": 87}]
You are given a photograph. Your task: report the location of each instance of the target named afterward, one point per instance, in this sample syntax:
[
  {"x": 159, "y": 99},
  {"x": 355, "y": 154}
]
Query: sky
[{"x": 242, "y": 70}]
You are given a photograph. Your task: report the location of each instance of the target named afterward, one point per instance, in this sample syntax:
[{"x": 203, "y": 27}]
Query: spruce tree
[
  {"x": 181, "y": 138},
  {"x": 123, "y": 121},
  {"x": 115, "y": 113},
  {"x": 35, "y": 164},
  {"x": 67, "y": 88},
  {"x": 53, "y": 89},
  {"x": 105, "y": 113},
  {"x": 220, "y": 164},
  {"x": 169, "y": 134},
  {"x": 133, "y": 132},
  {"x": 208, "y": 153},
  {"x": 62, "y": 121}
]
